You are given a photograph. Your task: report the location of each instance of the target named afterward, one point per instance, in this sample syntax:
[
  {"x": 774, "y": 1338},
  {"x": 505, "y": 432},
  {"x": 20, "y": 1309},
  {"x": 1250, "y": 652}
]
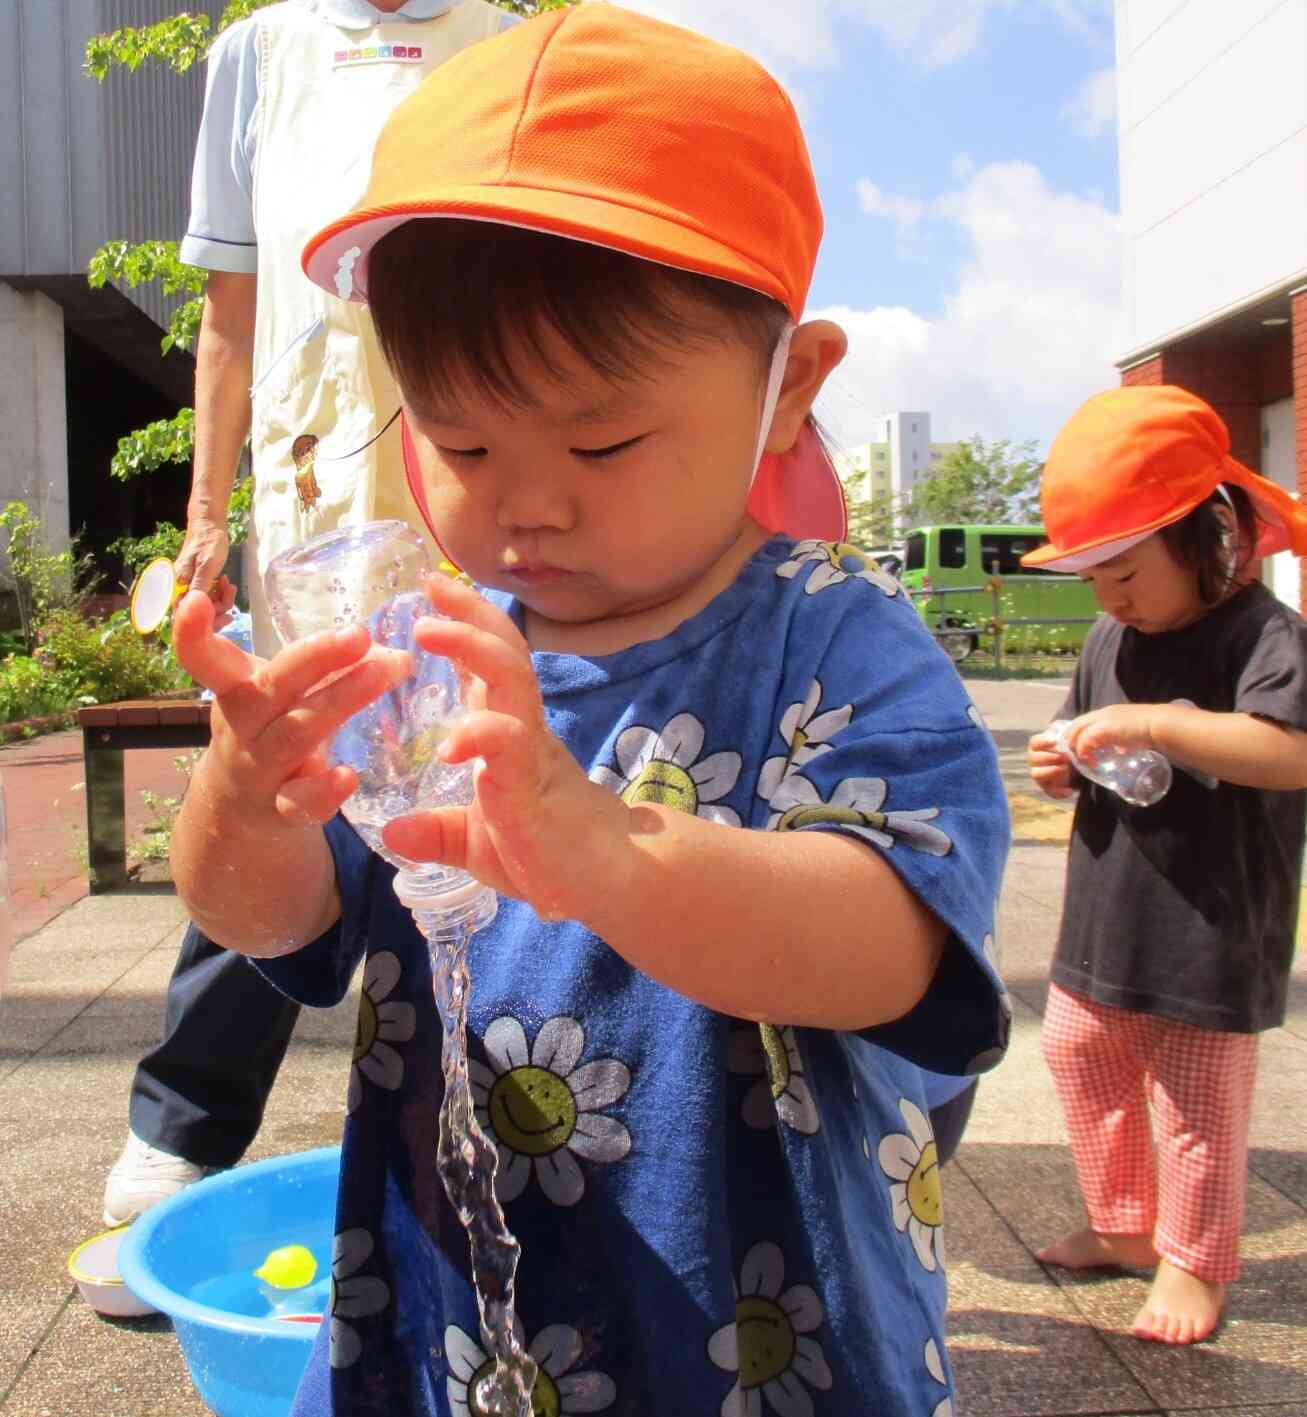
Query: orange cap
[
  {"x": 606, "y": 126},
  {"x": 1133, "y": 460}
]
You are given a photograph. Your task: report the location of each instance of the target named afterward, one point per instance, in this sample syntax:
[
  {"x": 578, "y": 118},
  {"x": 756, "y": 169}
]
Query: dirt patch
[{"x": 1039, "y": 818}]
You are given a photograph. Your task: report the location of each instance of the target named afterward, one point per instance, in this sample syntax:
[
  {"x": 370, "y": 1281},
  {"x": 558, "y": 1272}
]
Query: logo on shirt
[{"x": 378, "y": 54}]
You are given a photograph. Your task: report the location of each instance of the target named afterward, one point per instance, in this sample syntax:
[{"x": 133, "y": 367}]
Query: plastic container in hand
[{"x": 1141, "y": 776}]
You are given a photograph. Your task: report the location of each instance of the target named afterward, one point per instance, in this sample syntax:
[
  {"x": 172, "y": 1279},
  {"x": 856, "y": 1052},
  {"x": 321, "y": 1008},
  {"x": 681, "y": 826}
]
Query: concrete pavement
[{"x": 85, "y": 1000}]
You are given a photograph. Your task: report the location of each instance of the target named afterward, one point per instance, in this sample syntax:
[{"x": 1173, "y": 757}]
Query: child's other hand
[
  {"x": 272, "y": 718},
  {"x": 1050, "y": 767},
  {"x": 538, "y": 826}
]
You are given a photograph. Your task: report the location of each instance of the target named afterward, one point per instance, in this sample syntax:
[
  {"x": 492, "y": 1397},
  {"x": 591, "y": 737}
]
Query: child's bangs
[{"x": 465, "y": 307}]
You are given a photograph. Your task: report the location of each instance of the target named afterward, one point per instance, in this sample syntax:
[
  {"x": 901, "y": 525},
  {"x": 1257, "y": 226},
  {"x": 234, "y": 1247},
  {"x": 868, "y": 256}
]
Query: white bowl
[{"x": 94, "y": 1265}]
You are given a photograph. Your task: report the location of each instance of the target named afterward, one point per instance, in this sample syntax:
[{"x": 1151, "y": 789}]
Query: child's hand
[
  {"x": 538, "y": 827},
  {"x": 1116, "y": 726},
  {"x": 1050, "y": 767},
  {"x": 272, "y": 718}
]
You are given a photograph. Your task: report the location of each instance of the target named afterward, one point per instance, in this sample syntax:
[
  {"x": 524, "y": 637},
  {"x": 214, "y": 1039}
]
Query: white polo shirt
[{"x": 220, "y": 235}]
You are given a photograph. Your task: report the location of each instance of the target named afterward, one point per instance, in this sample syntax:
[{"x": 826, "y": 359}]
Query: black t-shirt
[{"x": 1187, "y": 909}]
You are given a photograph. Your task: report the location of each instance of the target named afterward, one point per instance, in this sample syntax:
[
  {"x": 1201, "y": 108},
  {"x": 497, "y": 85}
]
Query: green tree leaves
[{"x": 979, "y": 482}]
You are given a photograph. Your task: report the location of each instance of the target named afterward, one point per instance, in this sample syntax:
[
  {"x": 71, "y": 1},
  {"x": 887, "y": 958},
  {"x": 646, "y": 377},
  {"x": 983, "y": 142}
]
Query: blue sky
[{"x": 966, "y": 155}]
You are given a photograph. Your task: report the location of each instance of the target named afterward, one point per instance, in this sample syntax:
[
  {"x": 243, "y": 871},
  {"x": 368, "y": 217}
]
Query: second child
[{"x": 1178, "y": 924}]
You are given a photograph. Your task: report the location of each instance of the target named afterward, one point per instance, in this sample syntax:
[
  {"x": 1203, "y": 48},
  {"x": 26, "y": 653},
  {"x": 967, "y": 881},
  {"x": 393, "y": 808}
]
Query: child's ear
[{"x": 817, "y": 347}]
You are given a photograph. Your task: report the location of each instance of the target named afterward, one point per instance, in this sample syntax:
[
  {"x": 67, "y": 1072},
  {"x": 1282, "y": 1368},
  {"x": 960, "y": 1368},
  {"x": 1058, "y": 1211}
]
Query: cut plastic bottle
[{"x": 1141, "y": 776}]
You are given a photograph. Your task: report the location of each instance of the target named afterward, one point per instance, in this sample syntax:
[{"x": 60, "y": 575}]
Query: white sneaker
[{"x": 143, "y": 1176}]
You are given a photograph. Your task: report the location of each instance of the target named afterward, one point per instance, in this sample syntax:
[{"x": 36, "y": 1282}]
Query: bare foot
[
  {"x": 1090, "y": 1249},
  {"x": 1181, "y": 1308}
]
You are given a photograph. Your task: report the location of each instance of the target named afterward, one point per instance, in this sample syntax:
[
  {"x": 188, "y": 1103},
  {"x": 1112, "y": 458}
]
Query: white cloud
[
  {"x": 790, "y": 34},
  {"x": 904, "y": 212},
  {"x": 1025, "y": 336},
  {"x": 1091, "y": 110}
]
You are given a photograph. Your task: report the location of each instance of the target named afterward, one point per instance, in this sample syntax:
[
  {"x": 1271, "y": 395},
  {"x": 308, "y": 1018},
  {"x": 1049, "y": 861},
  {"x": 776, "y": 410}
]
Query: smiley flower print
[
  {"x": 557, "y": 1391},
  {"x": 856, "y": 804},
  {"x": 782, "y": 1090},
  {"x": 805, "y": 732},
  {"x": 834, "y": 562},
  {"x": 381, "y": 1022},
  {"x": 544, "y": 1111},
  {"x": 665, "y": 768},
  {"x": 912, "y": 1165},
  {"x": 353, "y": 1295},
  {"x": 768, "y": 1344}
]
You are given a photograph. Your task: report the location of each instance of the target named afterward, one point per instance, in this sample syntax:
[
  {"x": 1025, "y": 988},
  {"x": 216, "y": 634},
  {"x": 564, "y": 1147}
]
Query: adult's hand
[{"x": 203, "y": 554}]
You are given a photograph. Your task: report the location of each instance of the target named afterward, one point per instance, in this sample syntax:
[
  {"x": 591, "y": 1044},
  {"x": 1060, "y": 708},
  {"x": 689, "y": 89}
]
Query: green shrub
[
  {"x": 138, "y": 551},
  {"x": 100, "y": 661},
  {"x": 27, "y": 689}
]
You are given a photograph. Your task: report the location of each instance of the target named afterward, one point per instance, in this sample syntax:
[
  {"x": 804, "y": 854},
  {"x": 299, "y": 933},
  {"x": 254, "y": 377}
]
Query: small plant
[
  {"x": 44, "y": 580},
  {"x": 155, "y": 842}
]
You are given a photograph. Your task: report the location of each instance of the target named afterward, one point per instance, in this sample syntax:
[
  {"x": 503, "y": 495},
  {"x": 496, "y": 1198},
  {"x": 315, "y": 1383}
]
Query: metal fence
[{"x": 962, "y": 638}]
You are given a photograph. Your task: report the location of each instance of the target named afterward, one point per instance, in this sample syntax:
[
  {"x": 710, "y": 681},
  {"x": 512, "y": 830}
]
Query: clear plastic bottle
[{"x": 1140, "y": 776}]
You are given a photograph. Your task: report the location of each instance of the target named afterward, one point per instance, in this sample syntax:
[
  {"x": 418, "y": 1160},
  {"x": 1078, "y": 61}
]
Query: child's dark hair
[
  {"x": 459, "y": 305},
  {"x": 1217, "y": 540}
]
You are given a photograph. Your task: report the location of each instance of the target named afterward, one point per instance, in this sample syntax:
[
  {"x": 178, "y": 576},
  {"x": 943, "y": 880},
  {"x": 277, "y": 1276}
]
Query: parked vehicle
[{"x": 950, "y": 570}]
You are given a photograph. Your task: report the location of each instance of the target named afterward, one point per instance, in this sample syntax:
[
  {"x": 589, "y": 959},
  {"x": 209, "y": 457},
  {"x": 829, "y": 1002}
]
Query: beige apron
[{"x": 321, "y": 388}]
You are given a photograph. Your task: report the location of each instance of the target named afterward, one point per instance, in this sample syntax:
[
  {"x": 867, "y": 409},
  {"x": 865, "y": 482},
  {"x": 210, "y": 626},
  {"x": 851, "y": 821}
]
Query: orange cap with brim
[
  {"x": 1132, "y": 461},
  {"x": 605, "y": 126}
]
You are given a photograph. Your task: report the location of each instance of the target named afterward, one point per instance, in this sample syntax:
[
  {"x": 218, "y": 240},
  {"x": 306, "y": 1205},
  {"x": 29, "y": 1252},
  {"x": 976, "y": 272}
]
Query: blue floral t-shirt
[{"x": 715, "y": 1216}]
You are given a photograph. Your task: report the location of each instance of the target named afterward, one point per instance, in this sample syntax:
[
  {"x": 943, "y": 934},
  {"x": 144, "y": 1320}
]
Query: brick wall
[
  {"x": 1237, "y": 379},
  {"x": 1147, "y": 372}
]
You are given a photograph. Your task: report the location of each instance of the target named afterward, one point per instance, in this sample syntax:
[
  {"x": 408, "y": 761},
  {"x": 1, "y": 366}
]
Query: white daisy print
[
  {"x": 543, "y": 1110},
  {"x": 990, "y": 947},
  {"x": 856, "y": 803},
  {"x": 834, "y": 562},
  {"x": 353, "y": 1295},
  {"x": 805, "y": 732},
  {"x": 912, "y": 1165},
  {"x": 381, "y": 1022},
  {"x": 557, "y": 1390},
  {"x": 768, "y": 1345},
  {"x": 935, "y": 1367},
  {"x": 666, "y": 768},
  {"x": 974, "y": 714},
  {"x": 782, "y": 1090}
]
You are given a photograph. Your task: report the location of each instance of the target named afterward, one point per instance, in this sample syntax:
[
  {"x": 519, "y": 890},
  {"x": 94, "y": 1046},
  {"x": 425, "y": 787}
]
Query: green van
[{"x": 966, "y": 560}]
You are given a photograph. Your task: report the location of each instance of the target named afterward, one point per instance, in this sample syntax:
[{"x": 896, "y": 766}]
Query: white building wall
[
  {"x": 1213, "y": 140},
  {"x": 34, "y": 449},
  {"x": 908, "y": 436}
]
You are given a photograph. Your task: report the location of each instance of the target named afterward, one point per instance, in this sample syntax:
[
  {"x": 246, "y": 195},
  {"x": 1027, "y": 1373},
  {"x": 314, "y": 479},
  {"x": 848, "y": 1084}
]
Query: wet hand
[
  {"x": 538, "y": 826},
  {"x": 272, "y": 719}
]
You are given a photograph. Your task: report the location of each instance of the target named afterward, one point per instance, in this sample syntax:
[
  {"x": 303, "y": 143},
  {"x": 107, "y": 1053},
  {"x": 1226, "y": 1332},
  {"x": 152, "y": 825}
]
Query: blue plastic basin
[{"x": 190, "y": 1255}]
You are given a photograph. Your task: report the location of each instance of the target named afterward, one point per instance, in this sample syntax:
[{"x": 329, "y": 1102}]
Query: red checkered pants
[{"x": 1183, "y": 1179}]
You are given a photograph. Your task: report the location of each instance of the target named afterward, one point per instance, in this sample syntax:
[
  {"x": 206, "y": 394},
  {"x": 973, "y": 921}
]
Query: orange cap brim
[{"x": 337, "y": 256}]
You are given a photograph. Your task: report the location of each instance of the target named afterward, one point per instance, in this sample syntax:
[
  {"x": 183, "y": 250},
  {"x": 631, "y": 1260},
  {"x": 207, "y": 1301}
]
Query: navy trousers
[{"x": 201, "y": 1093}]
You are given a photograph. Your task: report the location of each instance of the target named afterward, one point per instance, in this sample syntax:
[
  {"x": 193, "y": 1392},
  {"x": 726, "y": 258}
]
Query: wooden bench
[{"x": 109, "y": 730}]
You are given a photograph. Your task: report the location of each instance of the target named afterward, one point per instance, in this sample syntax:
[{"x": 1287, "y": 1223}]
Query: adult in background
[{"x": 295, "y": 97}]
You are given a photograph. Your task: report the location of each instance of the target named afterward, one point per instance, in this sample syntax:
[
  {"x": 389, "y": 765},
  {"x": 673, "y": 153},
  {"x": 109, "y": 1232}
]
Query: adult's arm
[{"x": 223, "y": 373}]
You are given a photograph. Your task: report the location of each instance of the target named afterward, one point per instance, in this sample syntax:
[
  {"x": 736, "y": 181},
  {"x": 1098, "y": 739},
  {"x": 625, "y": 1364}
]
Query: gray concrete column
[{"x": 33, "y": 409}]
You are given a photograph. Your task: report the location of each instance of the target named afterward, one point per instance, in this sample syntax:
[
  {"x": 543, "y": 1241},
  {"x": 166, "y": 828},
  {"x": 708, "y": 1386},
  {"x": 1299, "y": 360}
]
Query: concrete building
[
  {"x": 1213, "y": 145},
  {"x": 893, "y": 465},
  {"x": 82, "y": 163}
]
